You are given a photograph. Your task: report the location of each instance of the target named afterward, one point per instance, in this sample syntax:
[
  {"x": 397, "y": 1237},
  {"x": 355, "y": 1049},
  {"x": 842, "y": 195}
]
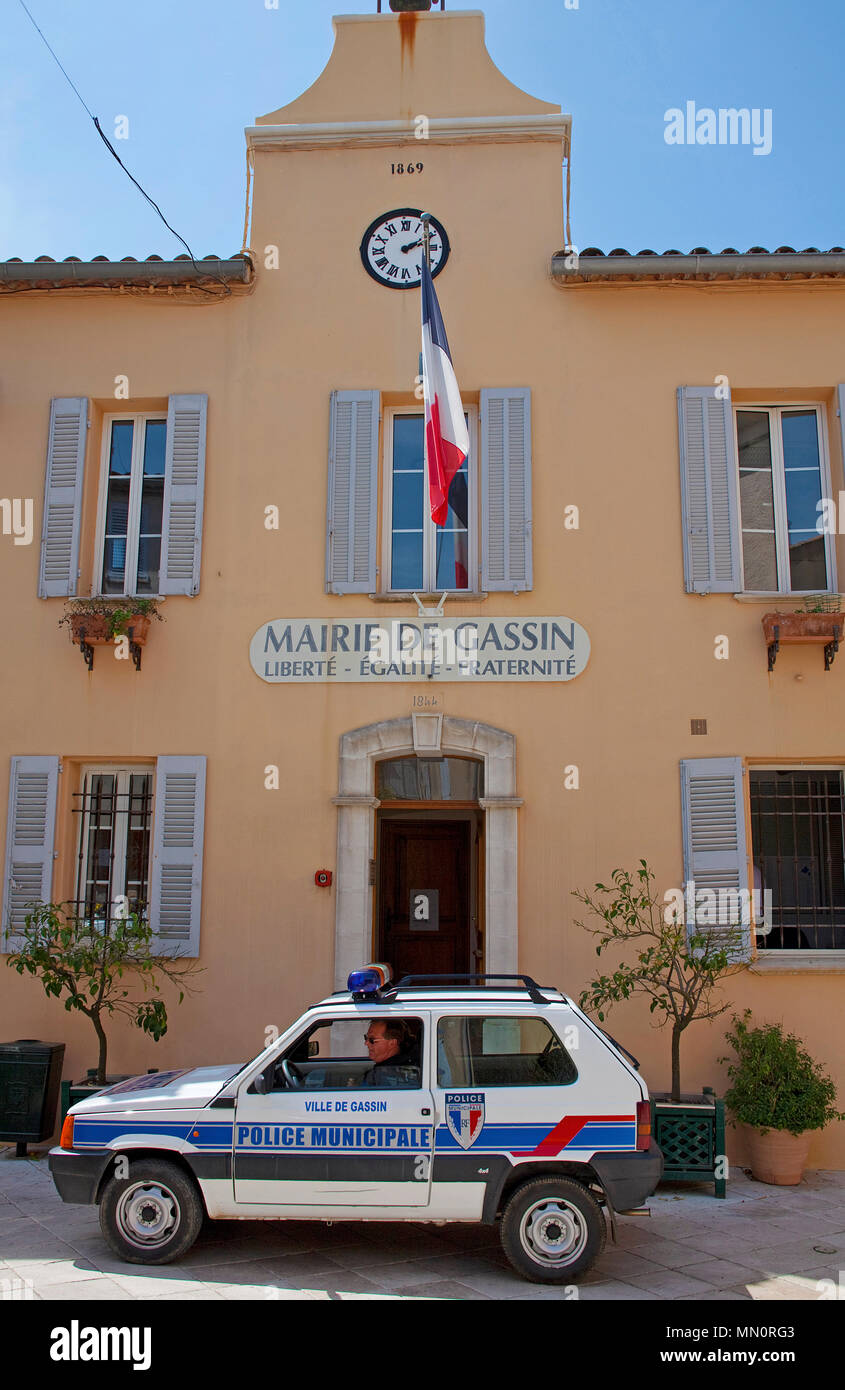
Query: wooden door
[{"x": 424, "y": 897}]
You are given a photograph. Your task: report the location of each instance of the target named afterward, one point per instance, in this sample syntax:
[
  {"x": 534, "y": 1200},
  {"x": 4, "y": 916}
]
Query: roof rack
[{"x": 530, "y": 986}]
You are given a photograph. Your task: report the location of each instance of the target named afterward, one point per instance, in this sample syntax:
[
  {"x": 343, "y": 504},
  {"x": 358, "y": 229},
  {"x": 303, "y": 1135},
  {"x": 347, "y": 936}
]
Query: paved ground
[{"x": 761, "y": 1243}]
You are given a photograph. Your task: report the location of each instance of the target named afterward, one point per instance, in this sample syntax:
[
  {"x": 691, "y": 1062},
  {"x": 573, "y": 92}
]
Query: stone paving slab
[{"x": 759, "y": 1244}]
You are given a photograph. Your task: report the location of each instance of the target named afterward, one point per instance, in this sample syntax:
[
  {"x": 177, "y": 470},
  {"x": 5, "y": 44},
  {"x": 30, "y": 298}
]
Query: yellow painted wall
[{"x": 603, "y": 365}]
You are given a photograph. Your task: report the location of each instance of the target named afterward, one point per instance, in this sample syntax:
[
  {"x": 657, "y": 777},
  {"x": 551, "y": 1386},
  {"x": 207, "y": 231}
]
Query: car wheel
[
  {"x": 152, "y": 1216},
  {"x": 552, "y": 1229}
]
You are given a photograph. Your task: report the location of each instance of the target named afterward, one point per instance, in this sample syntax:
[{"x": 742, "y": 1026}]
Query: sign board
[{"x": 292, "y": 650}]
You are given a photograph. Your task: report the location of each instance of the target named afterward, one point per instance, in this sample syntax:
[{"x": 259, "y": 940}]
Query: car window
[
  {"x": 361, "y": 1053},
  {"x": 494, "y": 1051}
]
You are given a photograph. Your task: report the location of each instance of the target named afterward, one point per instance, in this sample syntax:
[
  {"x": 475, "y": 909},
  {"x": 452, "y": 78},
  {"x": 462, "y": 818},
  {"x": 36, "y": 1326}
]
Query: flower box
[
  {"x": 96, "y": 629},
  {"x": 819, "y": 629}
]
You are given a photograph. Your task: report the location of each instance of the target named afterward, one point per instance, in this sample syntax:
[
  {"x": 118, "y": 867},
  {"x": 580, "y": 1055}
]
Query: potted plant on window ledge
[
  {"x": 679, "y": 972},
  {"x": 90, "y": 962},
  {"x": 819, "y": 620},
  {"x": 98, "y": 622},
  {"x": 780, "y": 1096}
]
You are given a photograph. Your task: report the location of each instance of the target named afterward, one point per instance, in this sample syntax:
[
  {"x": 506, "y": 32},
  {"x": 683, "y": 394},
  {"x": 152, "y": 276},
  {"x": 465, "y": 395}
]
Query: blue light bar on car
[{"x": 367, "y": 982}]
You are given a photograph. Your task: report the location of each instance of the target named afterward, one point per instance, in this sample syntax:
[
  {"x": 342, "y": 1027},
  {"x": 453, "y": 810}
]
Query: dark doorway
[{"x": 424, "y": 896}]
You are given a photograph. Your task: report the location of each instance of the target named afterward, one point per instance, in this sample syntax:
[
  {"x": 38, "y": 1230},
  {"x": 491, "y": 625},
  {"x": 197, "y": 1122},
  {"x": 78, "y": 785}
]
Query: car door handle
[{"x": 425, "y": 1111}]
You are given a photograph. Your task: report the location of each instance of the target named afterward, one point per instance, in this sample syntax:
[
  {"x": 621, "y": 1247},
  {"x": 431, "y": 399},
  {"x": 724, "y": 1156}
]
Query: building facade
[{"x": 320, "y": 760}]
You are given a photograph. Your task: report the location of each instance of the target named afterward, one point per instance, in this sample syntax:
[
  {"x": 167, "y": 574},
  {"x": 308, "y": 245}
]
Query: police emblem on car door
[{"x": 465, "y": 1117}]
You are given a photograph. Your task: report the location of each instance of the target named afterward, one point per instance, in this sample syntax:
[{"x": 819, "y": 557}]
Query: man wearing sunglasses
[{"x": 392, "y": 1053}]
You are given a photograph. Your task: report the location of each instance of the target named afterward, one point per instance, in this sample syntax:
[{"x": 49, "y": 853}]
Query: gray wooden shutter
[
  {"x": 30, "y": 833},
  {"x": 184, "y": 485},
  {"x": 176, "y": 875},
  {"x": 713, "y": 817},
  {"x": 353, "y": 493},
  {"x": 506, "y": 561},
  {"x": 59, "y": 566},
  {"x": 708, "y": 492}
]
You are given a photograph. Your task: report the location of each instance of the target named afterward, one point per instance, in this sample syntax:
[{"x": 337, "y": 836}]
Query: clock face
[{"x": 392, "y": 248}]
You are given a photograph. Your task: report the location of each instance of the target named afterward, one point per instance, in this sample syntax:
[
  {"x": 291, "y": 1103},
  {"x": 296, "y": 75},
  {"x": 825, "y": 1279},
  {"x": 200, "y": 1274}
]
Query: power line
[
  {"x": 113, "y": 151},
  {"x": 49, "y": 49}
]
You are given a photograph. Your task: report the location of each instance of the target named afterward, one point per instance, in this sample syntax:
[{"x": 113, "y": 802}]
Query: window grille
[
  {"x": 798, "y": 839},
  {"x": 113, "y": 861}
]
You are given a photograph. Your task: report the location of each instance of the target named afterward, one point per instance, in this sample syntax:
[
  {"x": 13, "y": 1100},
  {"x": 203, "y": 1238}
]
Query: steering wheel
[{"x": 291, "y": 1073}]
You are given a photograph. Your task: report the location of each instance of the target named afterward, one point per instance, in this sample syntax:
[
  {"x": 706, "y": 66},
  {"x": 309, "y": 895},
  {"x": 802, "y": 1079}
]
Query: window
[
  {"x": 783, "y": 475},
  {"x": 138, "y": 834},
  {"x": 418, "y": 554},
  {"x": 376, "y": 459},
  {"x": 131, "y": 505},
  {"x": 429, "y": 779},
  {"x": 114, "y": 838},
  {"x": 798, "y": 845},
  {"x": 334, "y": 1055},
  {"x": 494, "y": 1051},
  {"x": 148, "y": 535}
]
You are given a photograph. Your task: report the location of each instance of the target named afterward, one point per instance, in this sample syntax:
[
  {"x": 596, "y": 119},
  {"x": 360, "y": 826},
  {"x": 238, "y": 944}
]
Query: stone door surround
[{"x": 360, "y": 750}]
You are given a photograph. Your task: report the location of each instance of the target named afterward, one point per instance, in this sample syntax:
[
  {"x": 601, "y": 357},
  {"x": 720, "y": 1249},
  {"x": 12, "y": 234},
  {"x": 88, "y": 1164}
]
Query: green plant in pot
[
  {"x": 782, "y": 1096},
  {"x": 100, "y": 966},
  {"x": 103, "y": 619}
]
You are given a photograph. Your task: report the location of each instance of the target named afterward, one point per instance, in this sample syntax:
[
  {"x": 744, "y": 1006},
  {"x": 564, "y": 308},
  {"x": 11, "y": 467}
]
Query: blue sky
[{"x": 190, "y": 74}]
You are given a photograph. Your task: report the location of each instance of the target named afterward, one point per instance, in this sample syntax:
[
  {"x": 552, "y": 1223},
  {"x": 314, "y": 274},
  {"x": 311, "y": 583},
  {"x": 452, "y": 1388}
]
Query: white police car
[{"x": 424, "y": 1100}]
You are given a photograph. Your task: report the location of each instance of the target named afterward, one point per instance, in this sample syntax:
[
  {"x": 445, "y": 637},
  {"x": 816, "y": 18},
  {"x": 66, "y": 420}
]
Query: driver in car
[{"x": 394, "y": 1057}]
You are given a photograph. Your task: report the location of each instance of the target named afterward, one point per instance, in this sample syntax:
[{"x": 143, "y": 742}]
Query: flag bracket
[{"x": 424, "y": 611}]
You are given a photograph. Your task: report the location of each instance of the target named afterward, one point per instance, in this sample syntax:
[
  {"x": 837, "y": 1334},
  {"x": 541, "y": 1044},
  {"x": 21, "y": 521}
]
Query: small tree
[
  {"x": 86, "y": 960},
  {"x": 677, "y": 970}
]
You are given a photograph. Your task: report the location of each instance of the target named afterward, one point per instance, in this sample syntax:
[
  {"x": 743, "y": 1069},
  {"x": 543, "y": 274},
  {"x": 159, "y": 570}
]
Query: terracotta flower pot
[
  {"x": 97, "y": 629},
  {"x": 798, "y": 627},
  {"x": 778, "y": 1157}
]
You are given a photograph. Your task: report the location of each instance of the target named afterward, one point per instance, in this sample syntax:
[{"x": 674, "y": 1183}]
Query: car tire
[
  {"x": 552, "y": 1229},
  {"x": 154, "y": 1215}
]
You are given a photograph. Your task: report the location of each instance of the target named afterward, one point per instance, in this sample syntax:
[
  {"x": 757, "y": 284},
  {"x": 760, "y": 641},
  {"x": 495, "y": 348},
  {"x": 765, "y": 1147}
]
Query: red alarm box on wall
[{"x": 323, "y": 878}]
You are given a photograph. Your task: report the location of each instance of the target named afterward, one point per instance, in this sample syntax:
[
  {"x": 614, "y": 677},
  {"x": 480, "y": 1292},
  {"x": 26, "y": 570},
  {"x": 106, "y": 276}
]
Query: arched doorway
[{"x": 492, "y": 861}]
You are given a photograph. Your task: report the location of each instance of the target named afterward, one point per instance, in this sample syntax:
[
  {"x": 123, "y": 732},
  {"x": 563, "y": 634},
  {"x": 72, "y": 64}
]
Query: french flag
[{"x": 446, "y": 436}]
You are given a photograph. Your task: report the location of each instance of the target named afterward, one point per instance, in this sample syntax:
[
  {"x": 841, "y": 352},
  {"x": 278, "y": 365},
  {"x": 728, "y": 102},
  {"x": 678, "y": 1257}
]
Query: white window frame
[
  {"x": 803, "y": 952},
  {"x": 122, "y": 772},
  {"x": 135, "y": 490},
  {"x": 779, "y": 493},
  {"x": 429, "y": 529}
]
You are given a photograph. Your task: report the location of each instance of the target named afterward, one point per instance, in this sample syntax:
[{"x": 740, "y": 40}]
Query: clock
[{"x": 392, "y": 248}]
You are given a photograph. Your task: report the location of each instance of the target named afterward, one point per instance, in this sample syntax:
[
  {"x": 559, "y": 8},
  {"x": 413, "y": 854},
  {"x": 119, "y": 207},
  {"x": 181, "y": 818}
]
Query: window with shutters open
[
  {"x": 138, "y": 844},
  {"x": 148, "y": 536},
  {"x": 486, "y": 545},
  {"x": 753, "y": 481}
]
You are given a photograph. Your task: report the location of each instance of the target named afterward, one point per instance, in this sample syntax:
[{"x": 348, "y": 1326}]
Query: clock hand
[{"x": 412, "y": 245}]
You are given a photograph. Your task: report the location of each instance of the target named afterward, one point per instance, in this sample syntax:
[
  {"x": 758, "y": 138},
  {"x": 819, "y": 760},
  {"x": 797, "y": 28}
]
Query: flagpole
[{"x": 424, "y": 218}]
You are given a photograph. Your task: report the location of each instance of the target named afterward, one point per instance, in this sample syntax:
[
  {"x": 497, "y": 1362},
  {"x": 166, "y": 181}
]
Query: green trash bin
[{"x": 30, "y": 1074}]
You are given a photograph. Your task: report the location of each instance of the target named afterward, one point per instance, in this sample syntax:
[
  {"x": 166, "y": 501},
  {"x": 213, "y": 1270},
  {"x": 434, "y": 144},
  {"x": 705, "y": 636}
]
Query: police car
[{"x": 432, "y": 1099}]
